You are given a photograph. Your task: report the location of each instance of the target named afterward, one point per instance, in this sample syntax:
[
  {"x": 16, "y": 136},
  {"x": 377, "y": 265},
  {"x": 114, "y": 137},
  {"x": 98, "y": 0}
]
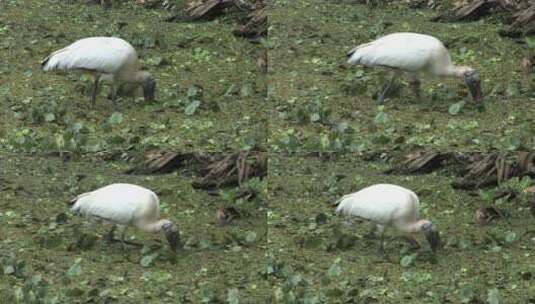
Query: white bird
[
  {"x": 127, "y": 205},
  {"x": 414, "y": 53},
  {"x": 389, "y": 205},
  {"x": 109, "y": 58}
]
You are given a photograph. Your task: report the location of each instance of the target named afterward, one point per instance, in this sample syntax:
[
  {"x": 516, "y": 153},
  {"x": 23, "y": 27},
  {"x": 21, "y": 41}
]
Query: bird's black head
[
  {"x": 472, "y": 80},
  {"x": 173, "y": 236},
  {"x": 149, "y": 88},
  {"x": 432, "y": 235}
]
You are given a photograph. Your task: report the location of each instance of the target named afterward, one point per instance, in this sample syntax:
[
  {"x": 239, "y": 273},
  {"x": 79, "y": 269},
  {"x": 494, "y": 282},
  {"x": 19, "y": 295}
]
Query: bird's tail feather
[
  {"x": 52, "y": 62},
  {"x": 350, "y": 54},
  {"x": 337, "y": 204}
]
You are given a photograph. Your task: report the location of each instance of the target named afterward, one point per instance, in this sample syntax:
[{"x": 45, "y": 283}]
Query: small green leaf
[
  {"x": 50, "y": 117},
  {"x": 246, "y": 90},
  {"x": 334, "y": 271},
  {"x": 493, "y": 296},
  {"x": 9, "y": 269},
  {"x": 74, "y": 270},
  {"x": 456, "y": 107},
  {"x": 407, "y": 260},
  {"x": 510, "y": 237},
  {"x": 192, "y": 107},
  {"x": 530, "y": 42},
  {"x": 232, "y": 296},
  {"x": 147, "y": 260},
  {"x": 115, "y": 118},
  {"x": 381, "y": 118},
  {"x": 193, "y": 91},
  {"x": 250, "y": 237}
]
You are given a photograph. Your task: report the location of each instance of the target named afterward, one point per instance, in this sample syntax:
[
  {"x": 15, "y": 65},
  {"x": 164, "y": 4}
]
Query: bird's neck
[
  {"x": 152, "y": 226},
  {"x": 132, "y": 76},
  {"x": 412, "y": 227},
  {"x": 452, "y": 71}
]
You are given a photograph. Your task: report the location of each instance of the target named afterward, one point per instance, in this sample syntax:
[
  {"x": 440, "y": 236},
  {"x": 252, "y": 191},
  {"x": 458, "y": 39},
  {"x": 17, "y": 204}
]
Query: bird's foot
[
  {"x": 413, "y": 244},
  {"x": 381, "y": 100}
]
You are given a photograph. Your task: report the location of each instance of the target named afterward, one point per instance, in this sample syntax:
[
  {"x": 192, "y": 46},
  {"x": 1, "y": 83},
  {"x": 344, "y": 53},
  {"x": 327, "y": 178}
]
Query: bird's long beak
[
  {"x": 149, "y": 89},
  {"x": 433, "y": 237},
  {"x": 474, "y": 84},
  {"x": 173, "y": 237}
]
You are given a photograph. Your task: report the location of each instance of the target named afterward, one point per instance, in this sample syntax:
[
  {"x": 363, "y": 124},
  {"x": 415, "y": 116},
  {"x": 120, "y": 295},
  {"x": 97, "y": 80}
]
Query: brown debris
[
  {"x": 524, "y": 21},
  {"x": 256, "y": 26},
  {"x": 420, "y": 161},
  {"x": 206, "y": 10},
  {"x": 477, "y": 169},
  {"x": 225, "y": 215},
  {"x": 164, "y": 162},
  {"x": 217, "y": 170},
  {"x": 485, "y": 215},
  {"x": 473, "y": 10},
  {"x": 262, "y": 62},
  {"x": 232, "y": 170}
]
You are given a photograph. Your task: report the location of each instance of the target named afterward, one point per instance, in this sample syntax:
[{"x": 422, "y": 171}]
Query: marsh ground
[
  {"x": 190, "y": 61},
  {"x": 318, "y": 257},
  {"x": 41, "y": 238},
  {"x": 319, "y": 104}
]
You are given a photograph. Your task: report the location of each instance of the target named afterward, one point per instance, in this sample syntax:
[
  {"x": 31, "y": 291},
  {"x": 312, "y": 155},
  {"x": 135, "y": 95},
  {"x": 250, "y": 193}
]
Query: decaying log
[
  {"x": 476, "y": 170},
  {"x": 524, "y": 21},
  {"x": 206, "y": 10},
  {"x": 216, "y": 170},
  {"x": 256, "y": 26},
  {"x": 232, "y": 170},
  {"x": 470, "y": 11},
  {"x": 420, "y": 161}
]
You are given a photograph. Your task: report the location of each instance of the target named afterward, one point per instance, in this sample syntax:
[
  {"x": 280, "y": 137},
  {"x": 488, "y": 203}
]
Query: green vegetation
[
  {"x": 318, "y": 257},
  {"x": 209, "y": 91},
  {"x": 320, "y": 105},
  {"x": 48, "y": 255}
]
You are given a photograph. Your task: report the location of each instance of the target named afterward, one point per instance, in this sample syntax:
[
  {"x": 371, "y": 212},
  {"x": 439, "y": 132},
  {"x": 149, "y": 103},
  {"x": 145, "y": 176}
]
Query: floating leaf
[
  {"x": 381, "y": 118},
  {"x": 116, "y": 118},
  {"x": 50, "y": 117},
  {"x": 146, "y": 261},
  {"x": 493, "y": 296},
  {"x": 334, "y": 271},
  {"x": 192, "y": 107},
  {"x": 250, "y": 237},
  {"x": 246, "y": 90},
  {"x": 407, "y": 260},
  {"x": 193, "y": 91},
  {"x": 232, "y": 296},
  {"x": 74, "y": 270},
  {"x": 510, "y": 237},
  {"x": 456, "y": 107},
  {"x": 467, "y": 294},
  {"x": 9, "y": 269}
]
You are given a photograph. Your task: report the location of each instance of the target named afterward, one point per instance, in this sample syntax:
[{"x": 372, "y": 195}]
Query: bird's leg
[
  {"x": 95, "y": 90},
  {"x": 381, "y": 230},
  {"x": 109, "y": 236},
  {"x": 387, "y": 87},
  {"x": 413, "y": 244},
  {"x": 113, "y": 94},
  {"x": 371, "y": 233},
  {"x": 123, "y": 237},
  {"x": 415, "y": 84}
]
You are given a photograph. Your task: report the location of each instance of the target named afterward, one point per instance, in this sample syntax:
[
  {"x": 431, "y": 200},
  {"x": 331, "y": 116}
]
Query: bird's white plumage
[
  {"x": 409, "y": 52},
  {"x": 384, "y": 204},
  {"x": 107, "y": 55},
  {"x": 123, "y": 204}
]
